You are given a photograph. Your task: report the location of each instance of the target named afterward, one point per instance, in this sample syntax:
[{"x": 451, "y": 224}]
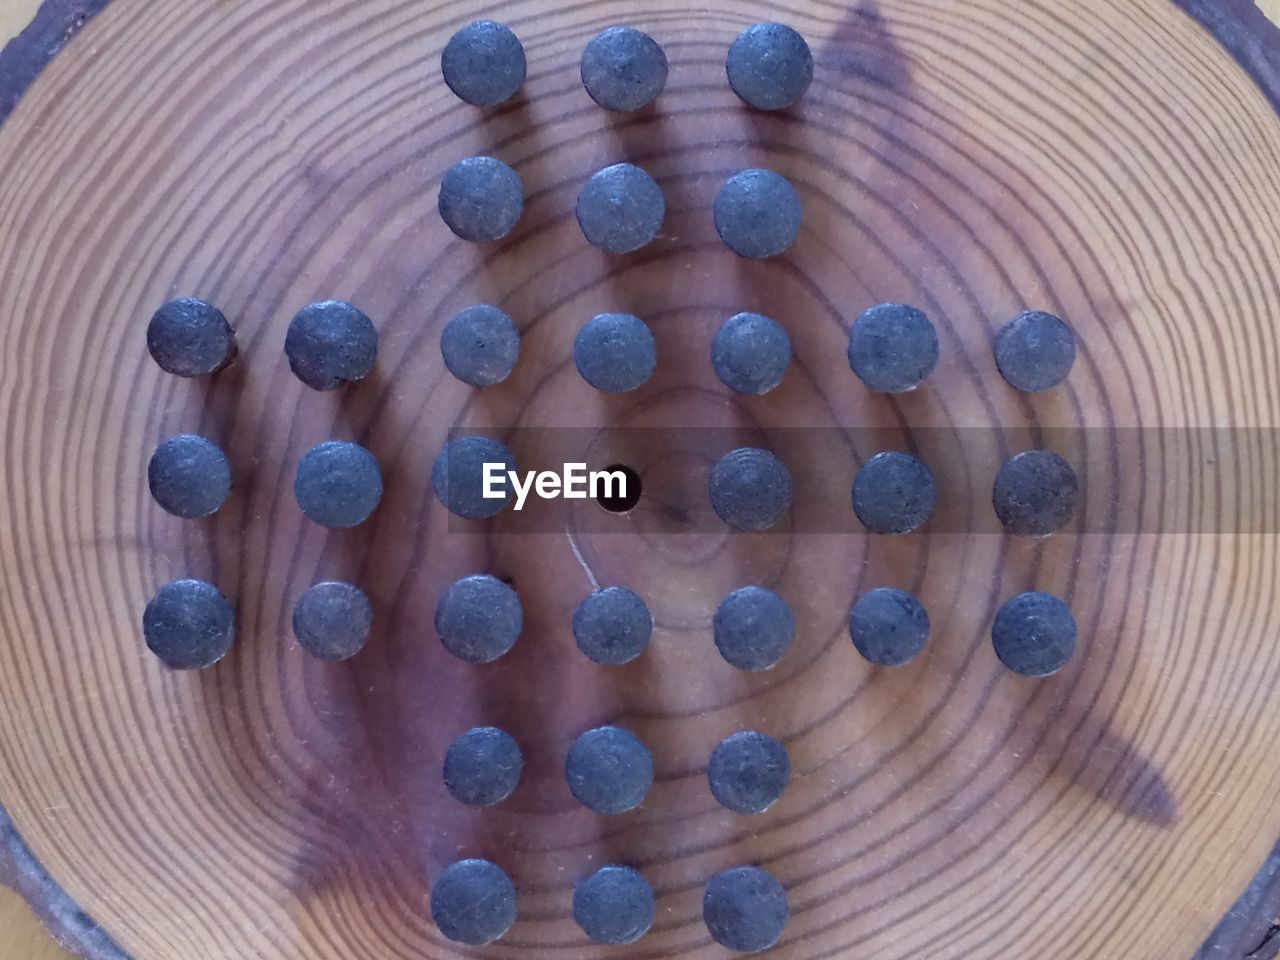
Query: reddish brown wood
[{"x": 1108, "y": 162}]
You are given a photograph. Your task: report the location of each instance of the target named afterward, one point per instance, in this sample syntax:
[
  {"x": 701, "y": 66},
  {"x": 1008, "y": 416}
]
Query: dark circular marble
[
  {"x": 190, "y": 338},
  {"x": 473, "y": 902},
  {"x": 1035, "y": 493},
  {"x": 757, "y": 213},
  {"x": 1034, "y": 634},
  {"x": 769, "y": 66},
  {"x": 188, "y": 624},
  {"x": 893, "y": 347},
  {"x": 484, "y": 63},
  {"x": 753, "y": 628},
  {"x": 621, "y": 208},
  {"x": 332, "y": 620},
  {"x": 1035, "y": 351},
  {"x": 748, "y": 771},
  {"x": 745, "y": 909},
  {"x": 330, "y": 343},
  {"x": 479, "y": 618},
  {"x": 480, "y": 345},
  {"x": 750, "y": 489},
  {"x": 612, "y": 626},
  {"x": 615, "y": 352},
  {"x": 888, "y": 626},
  {"x": 750, "y": 353},
  {"x": 338, "y": 484},
  {"x": 609, "y": 770},
  {"x": 457, "y": 476},
  {"x": 481, "y": 199},
  {"x": 624, "y": 69},
  {"x": 893, "y": 493},
  {"x": 614, "y": 905},
  {"x": 482, "y": 766},
  {"x": 189, "y": 476}
]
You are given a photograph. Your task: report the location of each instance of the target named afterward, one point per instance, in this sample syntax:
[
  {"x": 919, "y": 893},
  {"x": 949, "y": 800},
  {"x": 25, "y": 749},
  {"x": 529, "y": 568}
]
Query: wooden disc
[{"x": 1108, "y": 162}]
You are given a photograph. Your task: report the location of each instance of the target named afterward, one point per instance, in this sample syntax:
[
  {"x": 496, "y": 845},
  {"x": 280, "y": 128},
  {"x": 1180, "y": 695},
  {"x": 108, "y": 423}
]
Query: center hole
[{"x": 609, "y": 497}]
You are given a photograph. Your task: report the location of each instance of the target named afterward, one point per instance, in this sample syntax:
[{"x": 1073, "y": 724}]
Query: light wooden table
[
  {"x": 15, "y": 14},
  {"x": 21, "y": 935}
]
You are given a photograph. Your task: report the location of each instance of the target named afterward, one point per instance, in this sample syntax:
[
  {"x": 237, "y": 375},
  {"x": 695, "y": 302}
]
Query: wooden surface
[
  {"x": 14, "y": 15},
  {"x": 22, "y": 936},
  {"x": 1110, "y": 163}
]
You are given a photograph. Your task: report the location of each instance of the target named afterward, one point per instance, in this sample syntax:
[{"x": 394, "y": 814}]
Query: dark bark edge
[
  {"x": 23, "y": 57},
  {"x": 70, "y": 926}
]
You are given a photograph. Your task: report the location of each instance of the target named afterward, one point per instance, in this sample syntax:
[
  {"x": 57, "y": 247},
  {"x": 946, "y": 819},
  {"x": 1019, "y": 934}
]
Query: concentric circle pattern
[{"x": 1103, "y": 161}]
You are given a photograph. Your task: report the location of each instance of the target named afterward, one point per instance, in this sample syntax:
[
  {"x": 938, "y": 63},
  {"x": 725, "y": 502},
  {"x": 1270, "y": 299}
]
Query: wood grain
[
  {"x": 1109, "y": 162},
  {"x": 22, "y": 936}
]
